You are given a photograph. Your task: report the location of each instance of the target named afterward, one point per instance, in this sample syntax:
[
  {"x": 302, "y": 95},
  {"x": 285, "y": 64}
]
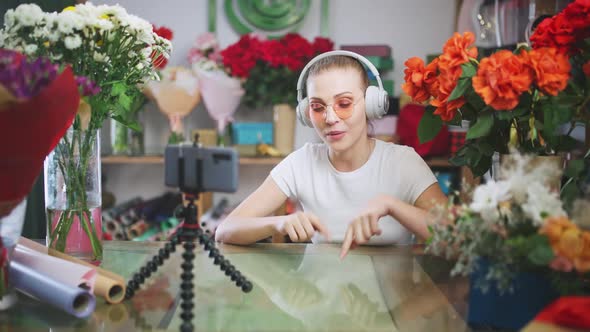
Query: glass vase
[
  {"x": 11, "y": 226},
  {"x": 119, "y": 138},
  {"x": 73, "y": 195}
]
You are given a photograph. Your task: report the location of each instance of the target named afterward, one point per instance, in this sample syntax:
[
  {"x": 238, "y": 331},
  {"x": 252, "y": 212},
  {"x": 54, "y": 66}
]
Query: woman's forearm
[
  {"x": 412, "y": 218},
  {"x": 244, "y": 230}
]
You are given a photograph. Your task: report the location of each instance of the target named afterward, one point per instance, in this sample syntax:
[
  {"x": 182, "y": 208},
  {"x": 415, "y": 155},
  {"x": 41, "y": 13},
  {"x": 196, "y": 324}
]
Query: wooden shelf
[
  {"x": 112, "y": 160},
  {"x": 155, "y": 159}
]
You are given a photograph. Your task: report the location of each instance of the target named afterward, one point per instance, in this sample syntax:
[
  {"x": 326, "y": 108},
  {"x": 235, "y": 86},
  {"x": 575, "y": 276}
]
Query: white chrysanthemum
[
  {"x": 100, "y": 57},
  {"x": 54, "y": 36},
  {"x": 114, "y": 11},
  {"x": 87, "y": 10},
  {"x": 9, "y": 19},
  {"x": 136, "y": 23},
  {"x": 2, "y": 38},
  {"x": 541, "y": 203},
  {"x": 30, "y": 49},
  {"x": 520, "y": 171},
  {"x": 28, "y": 14},
  {"x": 146, "y": 52},
  {"x": 73, "y": 42},
  {"x": 41, "y": 32},
  {"x": 68, "y": 21},
  {"x": 487, "y": 197},
  {"x": 104, "y": 25}
]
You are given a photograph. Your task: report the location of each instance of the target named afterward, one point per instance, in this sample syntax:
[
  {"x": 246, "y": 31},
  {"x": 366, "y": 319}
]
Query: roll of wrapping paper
[
  {"x": 120, "y": 235},
  {"x": 137, "y": 229},
  {"x": 60, "y": 270},
  {"x": 108, "y": 285},
  {"x": 73, "y": 300},
  {"x": 149, "y": 235},
  {"x": 112, "y": 226}
]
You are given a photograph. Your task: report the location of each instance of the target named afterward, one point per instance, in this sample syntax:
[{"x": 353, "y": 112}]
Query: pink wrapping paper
[{"x": 221, "y": 95}]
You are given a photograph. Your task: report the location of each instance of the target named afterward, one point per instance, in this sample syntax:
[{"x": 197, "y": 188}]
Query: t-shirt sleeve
[
  {"x": 417, "y": 175},
  {"x": 284, "y": 174}
]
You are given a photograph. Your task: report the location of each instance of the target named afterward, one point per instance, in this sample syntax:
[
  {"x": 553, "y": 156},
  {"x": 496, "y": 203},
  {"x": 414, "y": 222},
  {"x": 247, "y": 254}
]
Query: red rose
[
  {"x": 321, "y": 45},
  {"x": 562, "y": 30},
  {"x": 542, "y": 37},
  {"x": 578, "y": 14},
  {"x": 163, "y": 32},
  {"x": 297, "y": 47}
]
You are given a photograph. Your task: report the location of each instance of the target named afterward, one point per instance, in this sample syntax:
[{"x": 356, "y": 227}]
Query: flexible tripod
[{"x": 188, "y": 232}]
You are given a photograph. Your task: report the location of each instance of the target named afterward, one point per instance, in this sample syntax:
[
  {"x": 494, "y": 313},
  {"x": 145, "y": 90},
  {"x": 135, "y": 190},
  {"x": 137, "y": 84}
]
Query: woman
[{"x": 353, "y": 189}]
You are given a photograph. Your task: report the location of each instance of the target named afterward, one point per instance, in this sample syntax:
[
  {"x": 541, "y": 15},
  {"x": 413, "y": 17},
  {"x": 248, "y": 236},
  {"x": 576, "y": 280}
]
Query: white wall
[{"x": 411, "y": 27}]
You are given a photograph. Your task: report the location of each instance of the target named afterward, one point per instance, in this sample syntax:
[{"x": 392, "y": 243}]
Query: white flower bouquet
[{"x": 516, "y": 224}]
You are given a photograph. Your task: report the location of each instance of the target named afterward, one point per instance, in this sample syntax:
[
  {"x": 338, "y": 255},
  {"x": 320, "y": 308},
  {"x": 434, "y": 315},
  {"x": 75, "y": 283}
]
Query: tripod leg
[
  {"x": 224, "y": 264},
  {"x": 187, "y": 286},
  {"x": 150, "y": 267}
]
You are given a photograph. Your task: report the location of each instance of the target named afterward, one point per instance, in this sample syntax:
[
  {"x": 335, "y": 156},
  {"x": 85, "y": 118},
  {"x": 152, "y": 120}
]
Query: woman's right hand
[{"x": 301, "y": 226}]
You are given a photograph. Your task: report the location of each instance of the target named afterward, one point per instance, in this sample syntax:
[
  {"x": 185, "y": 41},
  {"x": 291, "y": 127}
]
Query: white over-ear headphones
[{"x": 376, "y": 100}]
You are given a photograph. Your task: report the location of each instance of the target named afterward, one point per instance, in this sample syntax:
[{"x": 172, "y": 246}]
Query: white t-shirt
[{"x": 307, "y": 176}]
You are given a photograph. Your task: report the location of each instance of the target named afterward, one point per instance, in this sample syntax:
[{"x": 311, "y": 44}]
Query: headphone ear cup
[
  {"x": 376, "y": 102},
  {"x": 302, "y": 116}
]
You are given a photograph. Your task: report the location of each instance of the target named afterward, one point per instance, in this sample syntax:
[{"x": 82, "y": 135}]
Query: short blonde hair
[{"x": 341, "y": 62}]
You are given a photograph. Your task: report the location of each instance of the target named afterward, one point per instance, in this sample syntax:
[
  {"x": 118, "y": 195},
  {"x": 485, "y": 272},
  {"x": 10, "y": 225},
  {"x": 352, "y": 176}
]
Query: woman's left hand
[{"x": 365, "y": 225}]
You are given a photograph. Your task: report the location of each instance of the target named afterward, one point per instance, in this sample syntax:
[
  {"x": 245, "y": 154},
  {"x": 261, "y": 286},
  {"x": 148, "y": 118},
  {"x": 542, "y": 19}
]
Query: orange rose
[
  {"x": 501, "y": 79},
  {"x": 551, "y": 68},
  {"x": 586, "y": 68},
  {"x": 554, "y": 227},
  {"x": 571, "y": 243},
  {"x": 582, "y": 262},
  {"x": 457, "y": 51},
  {"x": 420, "y": 80},
  {"x": 447, "y": 83}
]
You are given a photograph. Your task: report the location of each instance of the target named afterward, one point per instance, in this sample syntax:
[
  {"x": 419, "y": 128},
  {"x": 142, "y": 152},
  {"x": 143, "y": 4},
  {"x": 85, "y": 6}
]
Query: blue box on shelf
[{"x": 252, "y": 132}]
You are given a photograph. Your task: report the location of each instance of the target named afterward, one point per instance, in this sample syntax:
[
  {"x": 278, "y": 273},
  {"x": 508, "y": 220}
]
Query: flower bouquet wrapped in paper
[
  {"x": 221, "y": 92},
  {"x": 176, "y": 94},
  {"x": 43, "y": 100},
  {"x": 222, "y": 95},
  {"x": 36, "y": 96}
]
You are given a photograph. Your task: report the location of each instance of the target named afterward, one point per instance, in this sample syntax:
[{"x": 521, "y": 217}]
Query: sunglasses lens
[{"x": 344, "y": 108}]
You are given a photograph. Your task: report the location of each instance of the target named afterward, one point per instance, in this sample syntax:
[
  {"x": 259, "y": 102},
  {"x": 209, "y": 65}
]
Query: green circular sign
[{"x": 274, "y": 18}]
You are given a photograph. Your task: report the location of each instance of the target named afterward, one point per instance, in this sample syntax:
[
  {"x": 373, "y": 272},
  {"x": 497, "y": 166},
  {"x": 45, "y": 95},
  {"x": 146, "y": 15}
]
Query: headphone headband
[{"x": 357, "y": 56}]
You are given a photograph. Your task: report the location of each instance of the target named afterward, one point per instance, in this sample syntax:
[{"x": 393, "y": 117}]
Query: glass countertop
[{"x": 297, "y": 287}]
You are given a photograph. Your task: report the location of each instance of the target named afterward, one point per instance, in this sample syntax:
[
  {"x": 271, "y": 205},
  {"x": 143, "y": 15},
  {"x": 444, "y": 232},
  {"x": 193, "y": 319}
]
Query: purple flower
[
  {"x": 87, "y": 86},
  {"x": 22, "y": 78},
  {"x": 25, "y": 79}
]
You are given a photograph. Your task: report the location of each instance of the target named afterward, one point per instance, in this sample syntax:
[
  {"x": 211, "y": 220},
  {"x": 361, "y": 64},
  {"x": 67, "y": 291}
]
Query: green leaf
[
  {"x": 429, "y": 126},
  {"x": 118, "y": 89},
  {"x": 575, "y": 168},
  {"x": 460, "y": 89},
  {"x": 482, "y": 166},
  {"x": 482, "y": 127},
  {"x": 486, "y": 148},
  {"x": 541, "y": 253},
  {"x": 506, "y": 115},
  {"x": 468, "y": 69},
  {"x": 134, "y": 125},
  {"x": 125, "y": 102}
]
